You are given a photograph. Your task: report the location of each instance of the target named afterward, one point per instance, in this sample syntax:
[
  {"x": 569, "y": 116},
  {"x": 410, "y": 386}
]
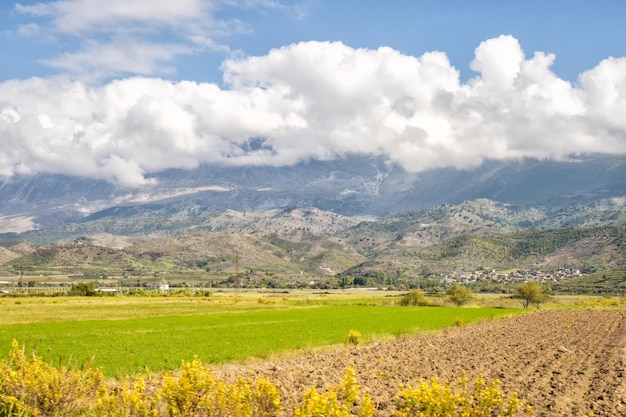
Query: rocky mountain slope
[
  {"x": 308, "y": 244},
  {"x": 358, "y": 216},
  {"x": 354, "y": 186}
]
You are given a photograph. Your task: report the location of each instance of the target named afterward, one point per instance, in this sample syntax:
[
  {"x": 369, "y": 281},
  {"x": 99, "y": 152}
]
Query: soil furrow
[{"x": 563, "y": 363}]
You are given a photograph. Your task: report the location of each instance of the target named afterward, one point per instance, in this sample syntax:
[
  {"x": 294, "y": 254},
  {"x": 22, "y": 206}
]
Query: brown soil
[{"x": 562, "y": 363}]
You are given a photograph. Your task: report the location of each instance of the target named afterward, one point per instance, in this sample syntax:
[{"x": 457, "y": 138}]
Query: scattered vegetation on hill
[{"x": 596, "y": 282}]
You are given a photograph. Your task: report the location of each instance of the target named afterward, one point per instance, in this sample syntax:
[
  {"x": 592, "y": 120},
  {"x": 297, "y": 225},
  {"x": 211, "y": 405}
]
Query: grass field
[{"x": 127, "y": 335}]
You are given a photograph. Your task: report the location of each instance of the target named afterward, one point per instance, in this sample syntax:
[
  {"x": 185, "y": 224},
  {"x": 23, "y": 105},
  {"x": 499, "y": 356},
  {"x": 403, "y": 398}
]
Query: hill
[
  {"x": 146, "y": 226},
  {"x": 214, "y": 256},
  {"x": 590, "y": 250},
  {"x": 266, "y": 257}
]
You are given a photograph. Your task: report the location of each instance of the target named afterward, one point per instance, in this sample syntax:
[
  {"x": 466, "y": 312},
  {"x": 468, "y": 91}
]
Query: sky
[{"x": 122, "y": 89}]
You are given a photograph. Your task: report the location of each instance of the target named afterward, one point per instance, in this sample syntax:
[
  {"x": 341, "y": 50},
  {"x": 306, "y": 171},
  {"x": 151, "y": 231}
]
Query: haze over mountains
[{"x": 355, "y": 186}]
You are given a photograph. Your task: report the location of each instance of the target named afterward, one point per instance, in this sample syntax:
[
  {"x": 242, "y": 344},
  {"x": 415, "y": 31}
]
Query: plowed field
[{"x": 562, "y": 363}]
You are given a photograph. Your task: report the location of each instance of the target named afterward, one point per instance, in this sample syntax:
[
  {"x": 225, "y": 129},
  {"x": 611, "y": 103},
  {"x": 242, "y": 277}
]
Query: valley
[{"x": 492, "y": 243}]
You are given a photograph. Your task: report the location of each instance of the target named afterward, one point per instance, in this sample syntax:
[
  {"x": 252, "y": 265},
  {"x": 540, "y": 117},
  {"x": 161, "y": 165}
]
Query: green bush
[
  {"x": 414, "y": 298},
  {"x": 84, "y": 289},
  {"x": 531, "y": 293}
]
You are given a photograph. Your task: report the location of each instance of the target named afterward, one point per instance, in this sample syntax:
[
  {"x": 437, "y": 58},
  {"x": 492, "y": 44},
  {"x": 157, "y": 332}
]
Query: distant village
[
  {"x": 483, "y": 275},
  {"x": 520, "y": 276}
]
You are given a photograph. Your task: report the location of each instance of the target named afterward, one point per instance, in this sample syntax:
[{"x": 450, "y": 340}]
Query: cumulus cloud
[{"x": 316, "y": 100}]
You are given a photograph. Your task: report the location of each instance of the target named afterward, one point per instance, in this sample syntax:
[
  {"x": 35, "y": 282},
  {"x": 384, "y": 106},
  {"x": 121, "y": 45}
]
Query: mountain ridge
[
  {"x": 232, "y": 258},
  {"x": 354, "y": 186}
]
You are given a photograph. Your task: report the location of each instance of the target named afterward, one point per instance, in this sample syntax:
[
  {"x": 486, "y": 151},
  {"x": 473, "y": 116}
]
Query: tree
[
  {"x": 345, "y": 281},
  {"x": 531, "y": 293},
  {"x": 83, "y": 289},
  {"x": 459, "y": 294}
]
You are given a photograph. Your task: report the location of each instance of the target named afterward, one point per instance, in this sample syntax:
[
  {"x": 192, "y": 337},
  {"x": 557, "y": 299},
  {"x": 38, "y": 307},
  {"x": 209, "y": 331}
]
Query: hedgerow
[{"x": 31, "y": 387}]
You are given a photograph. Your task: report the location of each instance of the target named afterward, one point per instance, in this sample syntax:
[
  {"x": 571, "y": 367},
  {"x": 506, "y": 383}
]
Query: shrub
[
  {"x": 434, "y": 399},
  {"x": 325, "y": 404},
  {"x": 354, "y": 337},
  {"x": 414, "y": 298},
  {"x": 194, "y": 390},
  {"x": 350, "y": 387},
  {"x": 459, "y": 294},
  {"x": 84, "y": 289},
  {"x": 344, "y": 400},
  {"x": 30, "y": 386},
  {"x": 131, "y": 397}
]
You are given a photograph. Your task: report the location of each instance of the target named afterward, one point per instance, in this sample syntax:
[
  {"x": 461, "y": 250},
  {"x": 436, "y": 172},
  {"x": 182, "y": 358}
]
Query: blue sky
[
  {"x": 579, "y": 33},
  {"x": 133, "y": 87}
]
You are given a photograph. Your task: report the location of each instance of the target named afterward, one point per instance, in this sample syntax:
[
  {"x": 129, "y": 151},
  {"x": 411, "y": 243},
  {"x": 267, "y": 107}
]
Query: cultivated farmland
[
  {"x": 562, "y": 363},
  {"x": 130, "y": 334}
]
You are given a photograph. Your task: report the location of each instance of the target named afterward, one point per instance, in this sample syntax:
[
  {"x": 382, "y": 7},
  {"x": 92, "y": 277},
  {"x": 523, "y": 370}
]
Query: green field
[{"x": 127, "y": 335}]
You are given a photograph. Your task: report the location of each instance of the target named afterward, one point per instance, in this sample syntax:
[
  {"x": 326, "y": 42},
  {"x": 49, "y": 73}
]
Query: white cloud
[
  {"x": 120, "y": 37},
  {"x": 499, "y": 61},
  {"x": 81, "y": 16},
  {"x": 29, "y": 29},
  {"x": 316, "y": 100},
  {"x": 97, "y": 60}
]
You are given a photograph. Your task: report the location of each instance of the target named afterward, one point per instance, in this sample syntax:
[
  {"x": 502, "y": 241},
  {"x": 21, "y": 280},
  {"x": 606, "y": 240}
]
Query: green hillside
[
  {"x": 534, "y": 249},
  {"x": 597, "y": 282}
]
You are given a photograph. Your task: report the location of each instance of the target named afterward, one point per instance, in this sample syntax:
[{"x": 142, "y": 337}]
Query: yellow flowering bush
[
  {"x": 350, "y": 388},
  {"x": 30, "y": 386},
  {"x": 315, "y": 404},
  {"x": 130, "y": 398},
  {"x": 354, "y": 337},
  {"x": 194, "y": 391},
  {"x": 435, "y": 399},
  {"x": 343, "y": 401}
]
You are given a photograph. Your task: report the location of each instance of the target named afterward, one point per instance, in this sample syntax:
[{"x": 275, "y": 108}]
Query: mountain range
[
  {"x": 355, "y": 186},
  {"x": 358, "y": 216}
]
